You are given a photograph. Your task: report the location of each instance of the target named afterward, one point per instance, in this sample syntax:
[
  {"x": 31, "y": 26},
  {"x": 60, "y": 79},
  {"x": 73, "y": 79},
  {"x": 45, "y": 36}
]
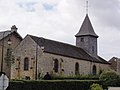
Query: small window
[
  {"x": 94, "y": 71},
  {"x": 26, "y": 64},
  {"x": 82, "y": 39},
  {"x": 19, "y": 65},
  {"x": 93, "y": 50},
  {"x": 76, "y": 68},
  {"x": 56, "y": 65}
]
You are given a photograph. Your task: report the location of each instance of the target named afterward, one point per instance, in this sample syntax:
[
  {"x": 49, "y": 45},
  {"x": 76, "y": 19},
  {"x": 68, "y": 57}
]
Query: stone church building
[
  {"x": 35, "y": 56},
  {"x": 8, "y": 39}
]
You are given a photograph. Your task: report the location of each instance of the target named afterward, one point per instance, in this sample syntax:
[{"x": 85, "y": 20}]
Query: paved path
[{"x": 114, "y": 88}]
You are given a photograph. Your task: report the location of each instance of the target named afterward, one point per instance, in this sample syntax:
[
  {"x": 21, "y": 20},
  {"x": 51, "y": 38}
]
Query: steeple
[
  {"x": 86, "y": 38},
  {"x": 86, "y": 28}
]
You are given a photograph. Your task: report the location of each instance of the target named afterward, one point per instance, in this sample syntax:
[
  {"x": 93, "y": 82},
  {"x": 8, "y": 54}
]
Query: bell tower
[{"x": 86, "y": 38}]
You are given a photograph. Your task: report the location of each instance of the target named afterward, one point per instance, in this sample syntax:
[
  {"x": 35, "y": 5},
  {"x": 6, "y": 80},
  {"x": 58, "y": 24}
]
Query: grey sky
[{"x": 61, "y": 19}]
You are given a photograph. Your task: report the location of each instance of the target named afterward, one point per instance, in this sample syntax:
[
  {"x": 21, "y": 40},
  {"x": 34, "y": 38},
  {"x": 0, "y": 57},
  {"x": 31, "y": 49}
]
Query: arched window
[
  {"x": 56, "y": 65},
  {"x": 26, "y": 64},
  {"x": 94, "y": 71},
  {"x": 76, "y": 68}
]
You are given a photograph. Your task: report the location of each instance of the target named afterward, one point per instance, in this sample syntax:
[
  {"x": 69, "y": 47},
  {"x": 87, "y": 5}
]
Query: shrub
[
  {"x": 109, "y": 78},
  {"x": 96, "y": 86}
]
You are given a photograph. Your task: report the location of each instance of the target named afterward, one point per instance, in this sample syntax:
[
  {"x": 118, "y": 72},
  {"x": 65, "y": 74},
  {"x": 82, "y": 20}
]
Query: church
[
  {"x": 35, "y": 56},
  {"x": 9, "y": 39}
]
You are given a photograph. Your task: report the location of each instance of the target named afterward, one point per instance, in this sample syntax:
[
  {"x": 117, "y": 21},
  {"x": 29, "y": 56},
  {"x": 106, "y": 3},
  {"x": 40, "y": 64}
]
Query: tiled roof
[
  {"x": 86, "y": 28},
  {"x": 64, "y": 49}
]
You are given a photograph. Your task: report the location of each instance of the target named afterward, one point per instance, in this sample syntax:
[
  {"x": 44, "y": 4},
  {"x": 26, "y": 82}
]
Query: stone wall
[
  {"x": 88, "y": 43},
  {"x": 27, "y": 48},
  {"x": 68, "y": 65}
]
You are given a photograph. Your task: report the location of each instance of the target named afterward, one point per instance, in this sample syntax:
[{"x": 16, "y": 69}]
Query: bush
[
  {"x": 52, "y": 85},
  {"x": 96, "y": 86},
  {"x": 109, "y": 78}
]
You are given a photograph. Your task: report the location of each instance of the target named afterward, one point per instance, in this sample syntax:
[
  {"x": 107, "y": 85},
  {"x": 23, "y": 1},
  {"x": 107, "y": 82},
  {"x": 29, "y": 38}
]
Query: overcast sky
[{"x": 61, "y": 19}]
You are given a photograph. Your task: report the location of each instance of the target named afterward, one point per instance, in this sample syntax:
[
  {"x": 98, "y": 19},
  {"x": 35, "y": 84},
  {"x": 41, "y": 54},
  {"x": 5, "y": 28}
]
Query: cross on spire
[{"x": 87, "y": 7}]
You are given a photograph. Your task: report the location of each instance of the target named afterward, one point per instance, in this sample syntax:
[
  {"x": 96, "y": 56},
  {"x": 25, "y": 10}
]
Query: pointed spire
[{"x": 86, "y": 28}]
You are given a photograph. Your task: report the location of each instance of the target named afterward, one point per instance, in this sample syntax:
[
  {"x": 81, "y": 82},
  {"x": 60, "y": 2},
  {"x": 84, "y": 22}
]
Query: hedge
[
  {"x": 79, "y": 77},
  {"x": 52, "y": 85}
]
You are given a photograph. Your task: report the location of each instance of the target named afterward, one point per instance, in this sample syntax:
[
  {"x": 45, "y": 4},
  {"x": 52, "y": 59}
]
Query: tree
[{"x": 9, "y": 58}]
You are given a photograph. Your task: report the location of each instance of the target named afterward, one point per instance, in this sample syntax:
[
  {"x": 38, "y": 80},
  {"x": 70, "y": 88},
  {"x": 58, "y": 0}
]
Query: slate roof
[
  {"x": 86, "y": 28},
  {"x": 6, "y": 33},
  {"x": 64, "y": 49}
]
